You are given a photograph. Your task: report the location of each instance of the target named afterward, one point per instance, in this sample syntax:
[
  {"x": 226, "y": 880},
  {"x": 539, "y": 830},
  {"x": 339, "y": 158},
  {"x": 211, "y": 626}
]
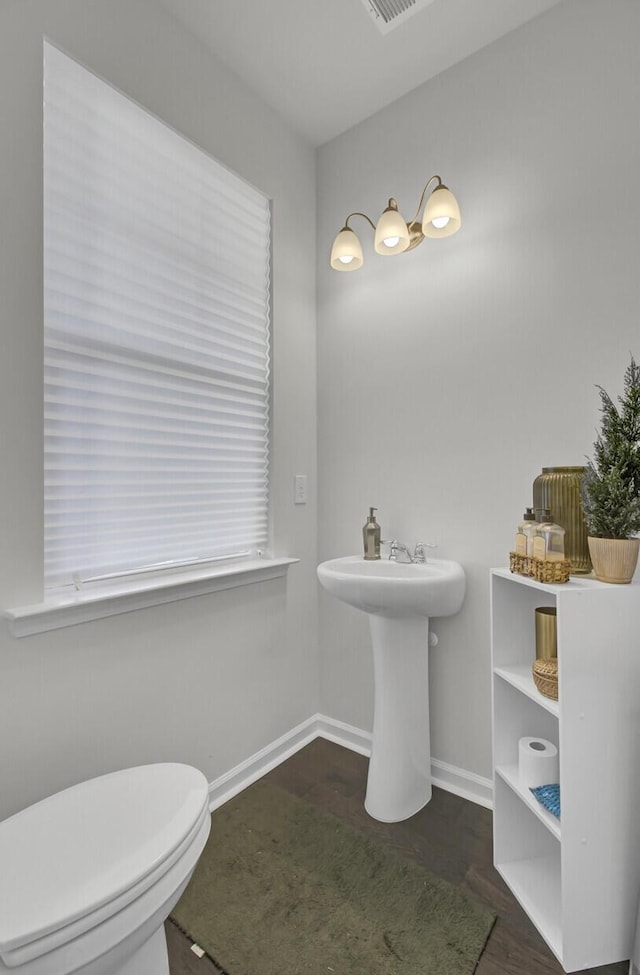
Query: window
[{"x": 156, "y": 268}]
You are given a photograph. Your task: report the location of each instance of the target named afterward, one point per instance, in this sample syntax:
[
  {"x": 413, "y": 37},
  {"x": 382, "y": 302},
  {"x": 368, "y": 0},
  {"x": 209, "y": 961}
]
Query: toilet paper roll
[{"x": 537, "y": 762}]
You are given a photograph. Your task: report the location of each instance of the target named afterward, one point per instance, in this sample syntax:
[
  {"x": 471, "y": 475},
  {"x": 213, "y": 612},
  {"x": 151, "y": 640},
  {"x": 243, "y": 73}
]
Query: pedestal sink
[{"x": 399, "y": 598}]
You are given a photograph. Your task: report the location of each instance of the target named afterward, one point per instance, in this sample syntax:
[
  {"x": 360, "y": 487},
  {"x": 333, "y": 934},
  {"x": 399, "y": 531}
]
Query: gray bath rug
[{"x": 285, "y": 889}]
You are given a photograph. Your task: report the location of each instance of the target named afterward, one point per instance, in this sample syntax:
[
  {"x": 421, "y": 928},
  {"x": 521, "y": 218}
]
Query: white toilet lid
[{"x": 75, "y": 851}]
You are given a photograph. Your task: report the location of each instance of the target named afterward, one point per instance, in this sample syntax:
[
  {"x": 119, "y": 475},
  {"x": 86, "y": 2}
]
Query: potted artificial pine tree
[{"x": 611, "y": 486}]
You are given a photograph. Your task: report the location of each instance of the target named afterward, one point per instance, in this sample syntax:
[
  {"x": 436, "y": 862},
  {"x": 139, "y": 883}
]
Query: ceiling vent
[{"x": 387, "y": 14}]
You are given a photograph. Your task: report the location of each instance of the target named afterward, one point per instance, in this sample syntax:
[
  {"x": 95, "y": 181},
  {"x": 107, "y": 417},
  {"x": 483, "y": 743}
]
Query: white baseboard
[
  {"x": 343, "y": 734},
  {"x": 238, "y": 778},
  {"x": 468, "y": 785},
  {"x": 462, "y": 783}
]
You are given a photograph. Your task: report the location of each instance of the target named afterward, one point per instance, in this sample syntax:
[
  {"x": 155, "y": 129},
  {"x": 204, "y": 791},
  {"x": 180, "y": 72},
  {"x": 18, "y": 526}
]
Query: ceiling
[{"x": 323, "y": 64}]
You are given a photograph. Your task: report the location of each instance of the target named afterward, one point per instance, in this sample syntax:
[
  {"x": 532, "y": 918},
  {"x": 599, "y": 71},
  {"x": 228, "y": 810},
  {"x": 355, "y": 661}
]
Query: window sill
[{"x": 123, "y": 597}]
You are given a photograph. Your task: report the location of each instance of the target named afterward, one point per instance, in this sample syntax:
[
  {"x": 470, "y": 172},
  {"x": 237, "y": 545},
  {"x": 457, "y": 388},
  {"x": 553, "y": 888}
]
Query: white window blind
[{"x": 156, "y": 308}]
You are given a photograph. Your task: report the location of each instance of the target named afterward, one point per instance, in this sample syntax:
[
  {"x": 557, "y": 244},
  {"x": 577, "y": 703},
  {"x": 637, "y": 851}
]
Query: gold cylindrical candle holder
[{"x": 546, "y": 633}]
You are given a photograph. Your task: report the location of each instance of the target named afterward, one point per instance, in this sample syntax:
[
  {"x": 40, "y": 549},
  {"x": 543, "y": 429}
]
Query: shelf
[
  {"x": 510, "y": 775},
  {"x": 536, "y": 885},
  {"x": 576, "y": 879},
  {"x": 520, "y": 678},
  {"x": 575, "y": 583}
]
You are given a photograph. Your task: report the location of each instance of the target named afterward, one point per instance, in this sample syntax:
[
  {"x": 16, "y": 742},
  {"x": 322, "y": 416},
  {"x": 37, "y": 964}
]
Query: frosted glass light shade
[
  {"x": 441, "y": 214},
  {"x": 392, "y": 234},
  {"x": 346, "y": 253}
]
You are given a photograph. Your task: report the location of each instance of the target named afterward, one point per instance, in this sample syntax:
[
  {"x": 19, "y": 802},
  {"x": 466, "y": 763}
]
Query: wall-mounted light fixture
[{"x": 393, "y": 234}]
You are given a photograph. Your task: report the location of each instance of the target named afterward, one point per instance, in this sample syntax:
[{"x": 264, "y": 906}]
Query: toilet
[{"x": 89, "y": 875}]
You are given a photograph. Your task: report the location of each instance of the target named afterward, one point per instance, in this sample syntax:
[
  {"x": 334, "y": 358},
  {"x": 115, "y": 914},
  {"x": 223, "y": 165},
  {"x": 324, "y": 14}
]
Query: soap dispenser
[
  {"x": 526, "y": 533},
  {"x": 371, "y": 537},
  {"x": 549, "y": 541}
]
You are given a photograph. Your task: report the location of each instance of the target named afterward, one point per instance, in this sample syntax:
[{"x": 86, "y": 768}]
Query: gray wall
[
  {"x": 209, "y": 680},
  {"x": 449, "y": 376}
]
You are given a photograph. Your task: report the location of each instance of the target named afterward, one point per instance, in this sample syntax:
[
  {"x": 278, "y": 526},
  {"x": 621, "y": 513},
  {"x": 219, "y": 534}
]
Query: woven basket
[
  {"x": 545, "y": 677},
  {"x": 539, "y": 569}
]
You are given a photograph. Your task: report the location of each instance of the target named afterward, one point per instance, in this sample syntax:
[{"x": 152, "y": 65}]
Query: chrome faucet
[{"x": 400, "y": 553}]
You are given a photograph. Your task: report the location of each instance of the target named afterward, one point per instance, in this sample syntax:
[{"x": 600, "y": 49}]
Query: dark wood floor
[{"x": 451, "y": 837}]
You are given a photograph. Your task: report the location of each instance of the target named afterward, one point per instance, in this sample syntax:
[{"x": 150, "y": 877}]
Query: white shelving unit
[{"x": 578, "y": 879}]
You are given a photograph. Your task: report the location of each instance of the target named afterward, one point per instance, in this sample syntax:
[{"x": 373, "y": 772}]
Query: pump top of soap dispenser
[{"x": 372, "y": 516}]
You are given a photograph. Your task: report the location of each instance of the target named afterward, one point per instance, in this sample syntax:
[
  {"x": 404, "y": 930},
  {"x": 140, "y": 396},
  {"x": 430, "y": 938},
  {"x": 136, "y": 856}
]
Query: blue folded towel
[{"x": 549, "y": 797}]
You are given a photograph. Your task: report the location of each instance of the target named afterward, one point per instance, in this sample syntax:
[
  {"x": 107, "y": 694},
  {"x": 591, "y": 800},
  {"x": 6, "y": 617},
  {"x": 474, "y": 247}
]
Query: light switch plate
[{"x": 300, "y": 489}]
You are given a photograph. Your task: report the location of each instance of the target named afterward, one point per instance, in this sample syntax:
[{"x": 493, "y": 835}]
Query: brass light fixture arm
[
  {"x": 428, "y": 184},
  {"x": 415, "y": 226},
  {"x": 358, "y": 214}
]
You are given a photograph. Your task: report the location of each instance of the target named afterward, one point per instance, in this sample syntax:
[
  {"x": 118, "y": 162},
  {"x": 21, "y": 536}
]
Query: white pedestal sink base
[
  {"x": 399, "y": 781},
  {"x": 399, "y": 598}
]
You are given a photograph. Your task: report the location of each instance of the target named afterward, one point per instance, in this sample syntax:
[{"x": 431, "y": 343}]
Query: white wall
[
  {"x": 448, "y": 377},
  {"x": 427, "y": 407},
  {"x": 209, "y": 680}
]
